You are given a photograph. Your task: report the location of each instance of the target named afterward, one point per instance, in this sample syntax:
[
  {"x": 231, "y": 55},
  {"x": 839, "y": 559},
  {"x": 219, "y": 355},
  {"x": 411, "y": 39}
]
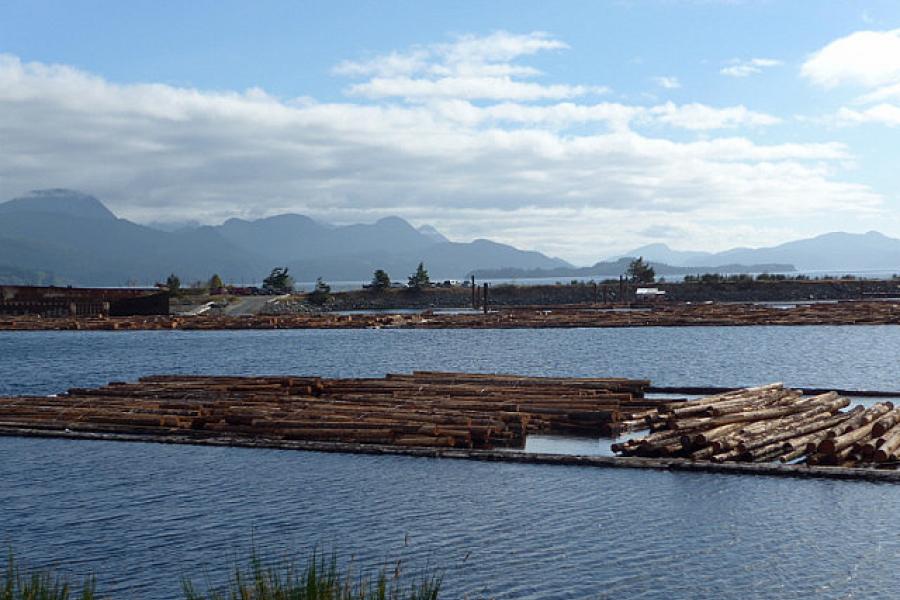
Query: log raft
[
  {"x": 750, "y": 429},
  {"x": 772, "y": 423},
  {"x": 424, "y": 408}
]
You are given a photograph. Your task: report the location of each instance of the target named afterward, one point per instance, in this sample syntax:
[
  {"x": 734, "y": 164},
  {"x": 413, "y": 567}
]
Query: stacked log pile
[
  {"x": 841, "y": 313},
  {"x": 421, "y": 409},
  {"x": 772, "y": 423},
  {"x": 553, "y": 404}
]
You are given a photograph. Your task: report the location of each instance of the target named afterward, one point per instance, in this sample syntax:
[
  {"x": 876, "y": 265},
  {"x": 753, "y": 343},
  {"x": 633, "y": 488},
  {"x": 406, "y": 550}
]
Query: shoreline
[{"x": 501, "y": 317}]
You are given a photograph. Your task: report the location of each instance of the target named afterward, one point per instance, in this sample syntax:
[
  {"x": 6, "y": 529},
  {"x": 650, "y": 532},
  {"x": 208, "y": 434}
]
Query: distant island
[{"x": 613, "y": 269}]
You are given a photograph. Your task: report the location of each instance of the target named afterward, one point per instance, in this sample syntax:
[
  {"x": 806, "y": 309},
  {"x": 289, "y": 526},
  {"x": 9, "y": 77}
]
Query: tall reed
[
  {"x": 40, "y": 584},
  {"x": 319, "y": 579}
]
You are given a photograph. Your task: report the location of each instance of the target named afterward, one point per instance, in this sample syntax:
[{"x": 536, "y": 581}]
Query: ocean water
[
  {"x": 863, "y": 357},
  {"x": 142, "y": 516}
]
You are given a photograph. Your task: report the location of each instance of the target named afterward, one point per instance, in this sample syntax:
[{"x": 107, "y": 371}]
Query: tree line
[{"x": 279, "y": 281}]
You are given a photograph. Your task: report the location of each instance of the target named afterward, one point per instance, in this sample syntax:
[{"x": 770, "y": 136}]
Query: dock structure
[
  {"x": 663, "y": 315},
  {"x": 432, "y": 409},
  {"x": 40, "y": 302}
]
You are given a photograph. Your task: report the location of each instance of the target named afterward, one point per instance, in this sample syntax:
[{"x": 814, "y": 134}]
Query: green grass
[
  {"x": 40, "y": 584},
  {"x": 319, "y": 579}
]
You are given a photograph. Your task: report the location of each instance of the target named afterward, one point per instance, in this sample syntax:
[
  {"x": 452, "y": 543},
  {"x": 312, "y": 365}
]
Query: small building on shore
[
  {"x": 54, "y": 301},
  {"x": 649, "y": 294}
]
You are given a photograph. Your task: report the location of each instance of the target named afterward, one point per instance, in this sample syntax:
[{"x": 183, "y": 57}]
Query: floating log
[
  {"x": 886, "y": 422},
  {"x": 888, "y": 449},
  {"x": 849, "y": 435}
]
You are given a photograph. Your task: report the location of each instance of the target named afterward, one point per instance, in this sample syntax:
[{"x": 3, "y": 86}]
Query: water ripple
[
  {"x": 528, "y": 531},
  {"x": 141, "y": 516}
]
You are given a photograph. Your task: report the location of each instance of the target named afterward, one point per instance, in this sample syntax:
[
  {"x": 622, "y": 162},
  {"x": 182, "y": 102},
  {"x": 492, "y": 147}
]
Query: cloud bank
[
  {"x": 461, "y": 135},
  {"x": 864, "y": 59}
]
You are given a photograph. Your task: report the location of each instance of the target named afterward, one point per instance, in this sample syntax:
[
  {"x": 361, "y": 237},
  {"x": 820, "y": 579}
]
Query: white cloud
[
  {"x": 393, "y": 64},
  {"x": 668, "y": 83},
  {"x": 866, "y": 58},
  {"x": 694, "y": 117},
  {"x": 554, "y": 116},
  {"x": 702, "y": 117},
  {"x": 883, "y": 114},
  {"x": 745, "y": 68},
  {"x": 887, "y": 92},
  {"x": 870, "y": 59},
  {"x": 499, "y": 46},
  {"x": 470, "y": 67},
  {"x": 564, "y": 177},
  {"x": 493, "y": 88}
]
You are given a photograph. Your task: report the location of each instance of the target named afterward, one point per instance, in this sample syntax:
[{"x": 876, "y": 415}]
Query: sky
[{"x": 579, "y": 129}]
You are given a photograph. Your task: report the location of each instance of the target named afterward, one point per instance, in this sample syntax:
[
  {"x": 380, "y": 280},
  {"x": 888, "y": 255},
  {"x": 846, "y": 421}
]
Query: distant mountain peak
[
  {"x": 391, "y": 220},
  {"x": 660, "y": 252},
  {"x": 433, "y": 234},
  {"x": 59, "y": 201},
  {"x": 657, "y": 246},
  {"x": 835, "y": 251},
  {"x": 394, "y": 223}
]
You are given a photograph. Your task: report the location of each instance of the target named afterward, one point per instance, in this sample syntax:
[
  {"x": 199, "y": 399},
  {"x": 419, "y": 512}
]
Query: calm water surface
[
  {"x": 142, "y": 515},
  {"x": 847, "y": 357}
]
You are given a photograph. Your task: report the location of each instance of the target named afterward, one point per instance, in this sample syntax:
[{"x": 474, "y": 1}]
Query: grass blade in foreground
[
  {"x": 321, "y": 579},
  {"x": 40, "y": 584}
]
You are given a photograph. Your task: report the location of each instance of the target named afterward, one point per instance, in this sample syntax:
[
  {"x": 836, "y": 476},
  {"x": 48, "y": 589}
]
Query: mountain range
[
  {"x": 66, "y": 237},
  {"x": 838, "y": 252},
  {"x": 62, "y": 236}
]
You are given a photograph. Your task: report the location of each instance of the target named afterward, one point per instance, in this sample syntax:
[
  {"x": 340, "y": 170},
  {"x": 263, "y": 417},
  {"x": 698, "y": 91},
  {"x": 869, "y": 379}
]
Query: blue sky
[{"x": 580, "y": 129}]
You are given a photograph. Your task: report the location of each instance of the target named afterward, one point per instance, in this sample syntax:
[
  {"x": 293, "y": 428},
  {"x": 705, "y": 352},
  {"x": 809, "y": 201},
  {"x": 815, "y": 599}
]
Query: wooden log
[
  {"x": 703, "y": 453},
  {"x": 780, "y": 436},
  {"x": 886, "y": 422},
  {"x": 475, "y": 410},
  {"x": 700, "y": 406},
  {"x": 833, "y": 446},
  {"x": 888, "y": 449},
  {"x": 769, "y": 399},
  {"x": 741, "y": 417},
  {"x": 791, "y": 454},
  {"x": 705, "y": 437},
  {"x": 862, "y": 418}
]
